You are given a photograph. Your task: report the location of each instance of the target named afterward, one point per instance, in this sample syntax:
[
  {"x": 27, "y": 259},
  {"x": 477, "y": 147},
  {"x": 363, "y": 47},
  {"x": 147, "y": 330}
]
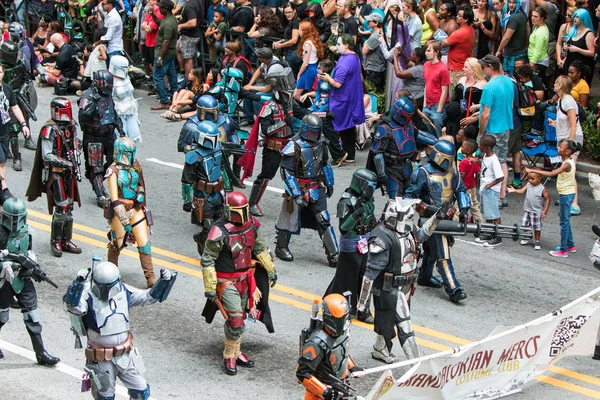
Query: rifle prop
[
  {"x": 341, "y": 386},
  {"x": 231, "y": 148},
  {"x": 23, "y": 103},
  {"x": 515, "y": 232},
  {"x": 37, "y": 273},
  {"x": 73, "y": 157}
]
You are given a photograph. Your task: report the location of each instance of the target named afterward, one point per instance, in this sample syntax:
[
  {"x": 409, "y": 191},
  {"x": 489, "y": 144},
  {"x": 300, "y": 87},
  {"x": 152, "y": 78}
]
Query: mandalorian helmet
[
  {"x": 207, "y": 108},
  {"x": 400, "y": 214},
  {"x": 61, "y": 110},
  {"x": 281, "y": 81},
  {"x": 119, "y": 66},
  {"x": 402, "y": 110},
  {"x": 336, "y": 314},
  {"x": 14, "y": 214},
  {"x": 232, "y": 79},
  {"x": 237, "y": 210},
  {"x": 16, "y": 32},
  {"x": 106, "y": 280},
  {"x": 9, "y": 53},
  {"x": 103, "y": 81},
  {"x": 442, "y": 154},
  {"x": 124, "y": 152},
  {"x": 311, "y": 128},
  {"x": 208, "y": 135},
  {"x": 364, "y": 182}
]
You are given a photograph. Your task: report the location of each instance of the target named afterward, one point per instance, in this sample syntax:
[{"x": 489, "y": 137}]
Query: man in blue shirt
[{"x": 210, "y": 11}]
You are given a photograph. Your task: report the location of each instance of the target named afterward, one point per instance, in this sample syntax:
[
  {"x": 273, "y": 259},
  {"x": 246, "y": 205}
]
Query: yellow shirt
[
  {"x": 565, "y": 183},
  {"x": 427, "y": 31},
  {"x": 582, "y": 87}
]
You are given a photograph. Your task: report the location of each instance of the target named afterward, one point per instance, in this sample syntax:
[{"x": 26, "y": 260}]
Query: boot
[
  {"x": 17, "y": 162},
  {"x": 14, "y": 149},
  {"x": 258, "y": 189},
  {"x": 67, "y": 233},
  {"x": 332, "y": 260},
  {"x": 237, "y": 172},
  {"x": 240, "y": 358},
  {"x": 229, "y": 360},
  {"x": 5, "y": 195},
  {"x": 113, "y": 254},
  {"x": 56, "y": 232},
  {"x": 35, "y": 333},
  {"x": 29, "y": 144},
  {"x": 596, "y": 229},
  {"x": 380, "y": 351},
  {"x": 281, "y": 246},
  {"x": 366, "y": 317},
  {"x": 595, "y": 357},
  {"x": 1, "y": 354},
  {"x": 147, "y": 267},
  {"x": 458, "y": 296}
]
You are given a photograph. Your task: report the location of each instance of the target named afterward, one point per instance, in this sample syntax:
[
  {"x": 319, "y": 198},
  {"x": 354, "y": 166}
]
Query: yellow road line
[{"x": 308, "y": 307}]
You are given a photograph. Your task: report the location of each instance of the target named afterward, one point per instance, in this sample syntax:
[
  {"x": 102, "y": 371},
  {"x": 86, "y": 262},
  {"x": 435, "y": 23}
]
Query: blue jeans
[
  {"x": 167, "y": 69},
  {"x": 112, "y": 54},
  {"x": 566, "y": 234},
  {"x": 252, "y": 108},
  {"x": 436, "y": 117}
]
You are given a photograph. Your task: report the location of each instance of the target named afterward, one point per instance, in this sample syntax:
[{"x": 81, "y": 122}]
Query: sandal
[{"x": 175, "y": 117}]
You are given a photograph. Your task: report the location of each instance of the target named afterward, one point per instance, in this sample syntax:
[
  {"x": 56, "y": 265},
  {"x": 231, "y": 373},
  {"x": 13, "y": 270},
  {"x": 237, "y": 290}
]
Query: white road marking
[
  {"x": 179, "y": 166},
  {"x": 60, "y": 367}
]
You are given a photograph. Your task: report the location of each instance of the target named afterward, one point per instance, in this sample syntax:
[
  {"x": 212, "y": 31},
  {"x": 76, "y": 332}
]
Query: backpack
[
  {"x": 246, "y": 63},
  {"x": 527, "y": 101},
  {"x": 581, "y": 113}
]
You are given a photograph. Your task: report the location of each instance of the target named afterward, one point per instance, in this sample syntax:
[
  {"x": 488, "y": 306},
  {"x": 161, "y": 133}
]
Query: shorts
[
  {"x": 532, "y": 219},
  {"x": 489, "y": 204},
  {"x": 148, "y": 54},
  {"x": 4, "y": 143},
  {"x": 187, "y": 46},
  {"x": 501, "y": 149},
  {"x": 514, "y": 140}
]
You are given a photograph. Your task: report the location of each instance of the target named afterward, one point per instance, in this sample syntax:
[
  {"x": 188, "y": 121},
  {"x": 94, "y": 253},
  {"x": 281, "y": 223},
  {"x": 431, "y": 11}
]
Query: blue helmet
[
  {"x": 402, "y": 110},
  {"x": 208, "y": 135},
  {"x": 207, "y": 108},
  {"x": 311, "y": 128},
  {"x": 442, "y": 154},
  {"x": 124, "y": 151}
]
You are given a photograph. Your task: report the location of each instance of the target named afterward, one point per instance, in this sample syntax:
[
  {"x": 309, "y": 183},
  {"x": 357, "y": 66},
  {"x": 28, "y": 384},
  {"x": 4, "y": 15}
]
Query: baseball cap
[
  {"x": 375, "y": 17},
  {"x": 264, "y": 52},
  {"x": 490, "y": 61}
]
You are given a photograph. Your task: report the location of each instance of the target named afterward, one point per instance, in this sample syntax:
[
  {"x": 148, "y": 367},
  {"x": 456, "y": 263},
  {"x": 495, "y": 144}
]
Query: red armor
[{"x": 241, "y": 242}]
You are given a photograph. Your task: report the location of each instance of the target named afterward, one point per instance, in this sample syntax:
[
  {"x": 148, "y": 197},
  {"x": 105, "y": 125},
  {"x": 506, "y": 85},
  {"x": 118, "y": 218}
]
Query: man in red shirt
[
  {"x": 151, "y": 29},
  {"x": 461, "y": 45},
  {"x": 437, "y": 83}
]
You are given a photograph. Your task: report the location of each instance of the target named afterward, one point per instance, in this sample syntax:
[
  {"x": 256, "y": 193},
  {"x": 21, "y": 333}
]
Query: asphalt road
[{"x": 508, "y": 285}]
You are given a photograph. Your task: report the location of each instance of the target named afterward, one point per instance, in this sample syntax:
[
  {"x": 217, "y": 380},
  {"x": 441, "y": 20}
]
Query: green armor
[{"x": 15, "y": 76}]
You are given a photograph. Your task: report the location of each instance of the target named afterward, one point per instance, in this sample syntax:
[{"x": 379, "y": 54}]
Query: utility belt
[
  {"x": 393, "y": 159},
  {"x": 276, "y": 144},
  {"x": 58, "y": 170},
  {"x": 98, "y": 130},
  {"x": 307, "y": 184},
  {"x": 107, "y": 354},
  {"x": 240, "y": 282},
  {"x": 210, "y": 187},
  {"x": 391, "y": 281}
]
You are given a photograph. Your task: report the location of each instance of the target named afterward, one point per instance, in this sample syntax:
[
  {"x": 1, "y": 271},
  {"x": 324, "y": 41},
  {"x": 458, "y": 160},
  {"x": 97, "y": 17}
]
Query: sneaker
[
  {"x": 515, "y": 184},
  {"x": 482, "y": 239},
  {"x": 349, "y": 161},
  {"x": 524, "y": 242},
  {"x": 575, "y": 211},
  {"x": 497, "y": 241},
  {"x": 537, "y": 246},
  {"x": 503, "y": 203},
  {"x": 340, "y": 161},
  {"x": 569, "y": 249},
  {"x": 558, "y": 253},
  {"x": 556, "y": 202}
]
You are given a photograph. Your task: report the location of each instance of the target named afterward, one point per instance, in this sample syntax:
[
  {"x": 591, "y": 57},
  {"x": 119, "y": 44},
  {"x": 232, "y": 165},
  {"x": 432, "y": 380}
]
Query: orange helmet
[
  {"x": 237, "y": 210},
  {"x": 336, "y": 314}
]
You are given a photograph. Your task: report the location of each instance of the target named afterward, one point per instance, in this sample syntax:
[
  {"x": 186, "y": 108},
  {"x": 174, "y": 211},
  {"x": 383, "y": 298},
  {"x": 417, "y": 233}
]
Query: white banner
[{"x": 500, "y": 364}]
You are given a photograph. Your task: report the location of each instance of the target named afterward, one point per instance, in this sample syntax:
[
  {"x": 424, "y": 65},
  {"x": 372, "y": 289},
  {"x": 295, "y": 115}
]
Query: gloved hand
[
  {"x": 369, "y": 207},
  {"x": 272, "y": 279},
  {"x": 464, "y": 215},
  {"x": 329, "y": 191},
  {"x": 6, "y": 271},
  {"x": 330, "y": 116},
  {"x": 83, "y": 275},
  {"x": 381, "y": 180},
  {"x": 187, "y": 207},
  {"x": 3, "y": 254},
  {"x": 165, "y": 274},
  {"x": 210, "y": 295},
  {"x": 301, "y": 201},
  {"x": 444, "y": 209},
  {"x": 31, "y": 255},
  {"x": 360, "y": 210},
  {"x": 128, "y": 228},
  {"x": 332, "y": 394},
  {"x": 261, "y": 141}
]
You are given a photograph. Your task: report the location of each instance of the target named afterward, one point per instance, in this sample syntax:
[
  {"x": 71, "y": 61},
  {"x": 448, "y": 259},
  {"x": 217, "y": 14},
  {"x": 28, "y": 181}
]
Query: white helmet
[
  {"x": 400, "y": 214},
  {"x": 119, "y": 66},
  {"x": 106, "y": 280}
]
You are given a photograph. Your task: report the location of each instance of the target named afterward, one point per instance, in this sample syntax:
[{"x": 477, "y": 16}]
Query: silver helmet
[
  {"x": 119, "y": 66},
  {"x": 400, "y": 214},
  {"x": 106, "y": 280}
]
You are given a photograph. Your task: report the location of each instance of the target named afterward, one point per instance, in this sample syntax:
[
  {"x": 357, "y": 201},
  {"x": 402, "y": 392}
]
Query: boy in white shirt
[{"x": 490, "y": 185}]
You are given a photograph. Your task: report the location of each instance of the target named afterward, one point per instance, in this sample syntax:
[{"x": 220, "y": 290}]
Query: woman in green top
[{"x": 538, "y": 43}]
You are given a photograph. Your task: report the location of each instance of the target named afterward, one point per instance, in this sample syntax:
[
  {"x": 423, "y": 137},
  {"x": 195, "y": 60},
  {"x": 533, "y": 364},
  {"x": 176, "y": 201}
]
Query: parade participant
[
  {"x": 325, "y": 363},
  {"x": 355, "y": 211},
  {"x": 16, "y": 279},
  {"x": 126, "y": 105},
  {"x": 98, "y": 120},
  {"x": 129, "y": 219},
  {"x": 203, "y": 172},
  {"x": 99, "y": 303},
  {"x": 435, "y": 182},
  {"x": 56, "y": 173},
  {"x": 308, "y": 180},
  {"x": 274, "y": 127},
  {"x": 233, "y": 241},
  {"x": 391, "y": 274}
]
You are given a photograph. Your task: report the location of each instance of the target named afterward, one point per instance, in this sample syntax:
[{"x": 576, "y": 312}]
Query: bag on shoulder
[
  {"x": 581, "y": 113},
  {"x": 527, "y": 101}
]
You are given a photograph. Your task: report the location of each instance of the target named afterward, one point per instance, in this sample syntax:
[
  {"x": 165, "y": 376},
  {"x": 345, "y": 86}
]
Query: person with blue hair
[
  {"x": 580, "y": 41},
  {"x": 514, "y": 39}
]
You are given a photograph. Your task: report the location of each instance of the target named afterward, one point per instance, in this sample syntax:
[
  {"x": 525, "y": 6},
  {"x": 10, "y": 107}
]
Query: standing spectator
[
  {"x": 346, "y": 96},
  {"x": 113, "y": 39},
  {"x": 272, "y": 5},
  {"x": 430, "y": 20},
  {"x": 311, "y": 50},
  {"x": 214, "y": 6},
  {"x": 189, "y": 34},
  {"x": 561, "y": 40},
  {"x": 538, "y": 43},
  {"x": 291, "y": 35},
  {"x": 588, "y": 5},
  {"x": 413, "y": 20},
  {"x": 468, "y": 92},
  {"x": 374, "y": 61},
  {"x": 165, "y": 55},
  {"x": 242, "y": 20},
  {"x": 552, "y": 12},
  {"x": 461, "y": 45},
  {"x": 580, "y": 42},
  {"x": 487, "y": 29},
  {"x": 446, "y": 14},
  {"x": 66, "y": 65},
  {"x": 215, "y": 36},
  {"x": 514, "y": 40},
  {"x": 496, "y": 104},
  {"x": 469, "y": 169},
  {"x": 412, "y": 78},
  {"x": 581, "y": 90},
  {"x": 490, "y": 184},
  {"x": 347, "y": 22},
  {"x": 437, "y": 85},
  {"x": 266, "y": 24},
  {"x": 151, "y": 29}
]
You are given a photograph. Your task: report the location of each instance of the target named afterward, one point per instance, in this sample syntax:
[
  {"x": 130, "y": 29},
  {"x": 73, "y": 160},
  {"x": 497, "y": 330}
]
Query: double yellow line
[{"x": 288, "y": 295}]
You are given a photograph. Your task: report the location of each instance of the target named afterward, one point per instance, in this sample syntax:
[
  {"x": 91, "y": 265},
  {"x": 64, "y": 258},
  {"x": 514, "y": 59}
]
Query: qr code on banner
[{"x": 567, "y": 329}]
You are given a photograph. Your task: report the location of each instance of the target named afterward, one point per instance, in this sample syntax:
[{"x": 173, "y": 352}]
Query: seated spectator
[
  {"x": 234, "y": 59},
  {"x": 266, "y": 24},
  {"x": 39, "y": 37},
  {"x": 187, "y": 95},
  {"x": 66, "y": 65},
  {"x": 578, "y": 72}
]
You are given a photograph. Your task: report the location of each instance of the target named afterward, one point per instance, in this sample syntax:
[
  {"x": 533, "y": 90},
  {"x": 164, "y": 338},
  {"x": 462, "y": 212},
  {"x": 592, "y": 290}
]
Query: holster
[
  {"x": 45, "y": 174},
  {"x": 107, "y": 354},
  {"x": 149, "y": 217},
  {"x": 289, "y": 201},
  {"x": 198, "y": 208},
  {"x": 210, "y": 187},
  {"x": 108, "y": 210},
  {"x": 240, "y": 283}
]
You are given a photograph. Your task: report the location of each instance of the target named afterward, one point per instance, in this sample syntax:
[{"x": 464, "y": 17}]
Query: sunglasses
[{"x": 569, "y": 15}]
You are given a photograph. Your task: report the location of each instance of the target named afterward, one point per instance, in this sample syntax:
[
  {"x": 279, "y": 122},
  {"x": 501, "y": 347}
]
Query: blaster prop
[
  {"x": 221, "y": 308},
  {"x": 25, "y": 105},
  {"x": 37, "y": 273},
  {"x": 515, "y": 232}
]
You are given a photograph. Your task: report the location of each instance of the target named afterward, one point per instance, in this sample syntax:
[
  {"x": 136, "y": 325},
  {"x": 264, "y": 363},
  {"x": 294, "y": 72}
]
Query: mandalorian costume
[
  {"x": 15, "y": 280},
  {"x": 98, "y": 120},
  {"x": 127, "y": 213},
  {"x": 325, "y": 363},
  {"x": 98, "y": 304},
  {"x": 308, "y": 180},
  {"x": 435, "y": 182},
  {"x": 355, "y": 211},
  {"x": 229, "y": 281},
  {"x": 56, "y": 173},
  {"x": 392, "y": 272},
  {"x": 203, "y": 172}
]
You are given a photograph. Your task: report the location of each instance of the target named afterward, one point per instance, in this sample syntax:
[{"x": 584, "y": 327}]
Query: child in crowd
[
  {"x": 469, "y": 169},
  {"x": 535, "y": 207},
  {"x": 565, "y": 184},
  {"x": 321, "y": 94},
  {"x": 468, "y": 132},
  {"x": 215, "y": 36},
  {"x": 490, "y": 184}
]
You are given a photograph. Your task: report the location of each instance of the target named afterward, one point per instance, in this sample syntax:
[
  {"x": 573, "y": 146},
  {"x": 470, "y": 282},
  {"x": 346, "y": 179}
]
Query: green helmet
[
  {"x": 14, "y": 214},
  {"x": 124, "y": 151},
  {"x": 363, "y": 183}
]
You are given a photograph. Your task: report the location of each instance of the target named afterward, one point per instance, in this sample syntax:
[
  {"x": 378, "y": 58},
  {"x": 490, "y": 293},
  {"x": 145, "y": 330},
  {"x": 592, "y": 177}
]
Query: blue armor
[{"x": 128, "y": 180}]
